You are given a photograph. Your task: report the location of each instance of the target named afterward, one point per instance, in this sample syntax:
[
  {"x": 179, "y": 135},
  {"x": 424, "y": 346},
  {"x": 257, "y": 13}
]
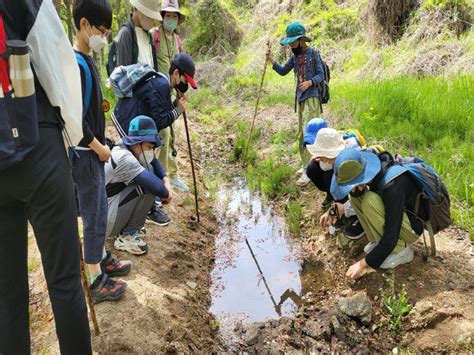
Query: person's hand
[
  {"x": 325, "y": 220},
  {"x": 104, "y": 153},
  {"x": 270, "y": 55},
  {"x": 356, "y": 269},
  {"x": 340, "y": 209},
  {"x": 182, "y": 104},
  {"x": 167, "y": 200},
  {"x": 305, "y": 85}
]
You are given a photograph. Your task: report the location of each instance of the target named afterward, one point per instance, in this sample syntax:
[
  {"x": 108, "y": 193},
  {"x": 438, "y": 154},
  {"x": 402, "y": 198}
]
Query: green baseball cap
[{"x": 294, "y": 31}]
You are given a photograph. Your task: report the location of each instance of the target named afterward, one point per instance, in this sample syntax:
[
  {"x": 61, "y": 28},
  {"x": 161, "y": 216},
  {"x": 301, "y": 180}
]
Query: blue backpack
[
  {"x": 434, "y": 194},
  {"x": 86, "y": 100}
]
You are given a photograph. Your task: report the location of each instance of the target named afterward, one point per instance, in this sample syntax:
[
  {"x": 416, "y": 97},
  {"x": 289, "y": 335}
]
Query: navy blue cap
[{"x": 185, "y": 63}]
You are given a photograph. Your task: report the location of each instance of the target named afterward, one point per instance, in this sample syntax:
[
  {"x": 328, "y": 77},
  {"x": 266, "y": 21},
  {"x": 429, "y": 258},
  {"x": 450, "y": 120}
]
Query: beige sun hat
[
  {"x": 328, "y": 144},
  {"x": 172, "y": 6},
  {"x": 149, "y": 8}
]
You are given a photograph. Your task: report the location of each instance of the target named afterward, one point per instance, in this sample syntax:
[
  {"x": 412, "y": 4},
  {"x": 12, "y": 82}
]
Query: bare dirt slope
[{"x": 166, "y": 302}]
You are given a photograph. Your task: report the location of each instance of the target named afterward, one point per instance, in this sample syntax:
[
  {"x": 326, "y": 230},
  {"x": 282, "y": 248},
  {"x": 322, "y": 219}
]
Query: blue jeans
[{"x": 89, "y": 177}]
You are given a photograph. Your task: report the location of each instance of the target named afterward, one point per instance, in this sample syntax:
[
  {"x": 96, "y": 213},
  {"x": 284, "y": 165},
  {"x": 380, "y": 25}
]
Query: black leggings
[{"x": 40, "y": 190}]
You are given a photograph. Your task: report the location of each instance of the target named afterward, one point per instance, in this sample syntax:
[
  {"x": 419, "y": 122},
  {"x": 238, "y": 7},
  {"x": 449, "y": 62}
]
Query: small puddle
[{"x": 258, "y": 273}]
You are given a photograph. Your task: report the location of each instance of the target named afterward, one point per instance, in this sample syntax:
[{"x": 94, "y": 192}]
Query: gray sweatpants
[{"x": 128, "y": 210}]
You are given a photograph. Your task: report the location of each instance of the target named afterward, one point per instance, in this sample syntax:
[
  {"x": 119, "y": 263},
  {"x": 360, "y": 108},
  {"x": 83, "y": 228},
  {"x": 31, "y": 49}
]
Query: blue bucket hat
[
  {"x": 142, "y": 129},
  {"x": 353, "y": 167},
  {"x": 312, "y": 129},
  {"x": 294, "y": 31}
]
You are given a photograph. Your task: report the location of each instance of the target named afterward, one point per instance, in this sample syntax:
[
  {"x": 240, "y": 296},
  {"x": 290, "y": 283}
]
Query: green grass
[
  {"x": 272, "y": 178},
  {"x": 430, "y": 117},
  {"x": 395, "y": 304},
  {"x": 294, "y": 216}
]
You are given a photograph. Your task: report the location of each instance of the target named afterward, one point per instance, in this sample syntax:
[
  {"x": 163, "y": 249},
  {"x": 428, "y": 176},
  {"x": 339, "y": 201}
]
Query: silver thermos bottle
[{"x": 21, "y": 75}]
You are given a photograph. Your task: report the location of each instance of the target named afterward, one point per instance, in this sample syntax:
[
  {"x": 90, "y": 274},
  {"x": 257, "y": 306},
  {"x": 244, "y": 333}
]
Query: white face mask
[
  {"x": 97, "y": 42},
  {"x": 146, "y": 158},
  {"x": 325, "y": 166}
]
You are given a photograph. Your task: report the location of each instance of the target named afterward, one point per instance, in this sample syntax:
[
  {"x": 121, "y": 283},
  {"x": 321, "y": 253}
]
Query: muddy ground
[{"x": 166, "y": 305}]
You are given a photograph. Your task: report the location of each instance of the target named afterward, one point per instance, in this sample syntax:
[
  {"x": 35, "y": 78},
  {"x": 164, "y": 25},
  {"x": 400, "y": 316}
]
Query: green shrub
[
  {"x": 396, "y": 305},
  {"x": 271, "y": 179}
]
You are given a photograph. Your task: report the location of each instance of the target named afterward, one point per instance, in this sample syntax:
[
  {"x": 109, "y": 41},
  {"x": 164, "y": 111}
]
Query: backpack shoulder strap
[
  {"x": 156, "y": 39},
  {"x": 86, "y": 100},
  {"x": 179, "y": 42}
]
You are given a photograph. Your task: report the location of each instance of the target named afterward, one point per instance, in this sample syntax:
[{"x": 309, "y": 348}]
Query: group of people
[
  {"x": 115, "y": 186},
  {"x": 367, "y": 190}
]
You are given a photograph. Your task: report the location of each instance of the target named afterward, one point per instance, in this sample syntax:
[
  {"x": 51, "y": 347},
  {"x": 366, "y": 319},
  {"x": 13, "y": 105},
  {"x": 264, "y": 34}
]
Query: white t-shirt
[{"x": 145, "y": 54}]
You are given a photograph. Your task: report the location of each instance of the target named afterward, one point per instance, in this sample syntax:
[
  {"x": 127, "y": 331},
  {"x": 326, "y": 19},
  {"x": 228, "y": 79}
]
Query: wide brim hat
[
  {"x": 132, "y": 140},
  {"x": 142, "y": 129},
  {"x": 294, "y": 31},
  {"x": 328, "y": 144},
  {"x": 312, "y": 129},
  {"x": 353, "y": 167},
  {"x": 139, "y": 5}
]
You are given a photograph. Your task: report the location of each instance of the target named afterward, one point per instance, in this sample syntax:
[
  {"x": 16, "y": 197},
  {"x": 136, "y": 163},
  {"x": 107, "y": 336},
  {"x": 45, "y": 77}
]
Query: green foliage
[
  {"x": 271, "y": 178},
  {"x": 213, "y": 29},
  {"x": 334, "y": 24},
  {"x": 431, "y": 4},
  {"x": 294, "y": 216},
  {"x": 396, "y": 305},
  {"x": 429, "y": 117},
  {"x": 240, "y": 143},
  {"x": 244, "y": 85}
]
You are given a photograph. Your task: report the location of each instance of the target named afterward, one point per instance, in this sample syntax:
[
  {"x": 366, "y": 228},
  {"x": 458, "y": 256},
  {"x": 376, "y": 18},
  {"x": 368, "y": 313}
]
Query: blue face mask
[{"x": 170, "y": 24}]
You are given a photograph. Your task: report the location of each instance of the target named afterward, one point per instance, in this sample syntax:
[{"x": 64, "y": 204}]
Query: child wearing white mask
[{"x": 327, "y": 145}]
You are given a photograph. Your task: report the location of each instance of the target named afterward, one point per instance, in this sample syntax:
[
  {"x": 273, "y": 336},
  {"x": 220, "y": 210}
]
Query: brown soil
[
  {"x": 165, "y": 306},
  {"x": 167, "y": 301}
]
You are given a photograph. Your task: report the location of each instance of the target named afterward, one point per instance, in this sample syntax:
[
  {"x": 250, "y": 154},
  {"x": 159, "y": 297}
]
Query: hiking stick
[
  {"x": 277, "y": 306},
  {"x": 256, "y": 106},
  {"x": 85, "y": 285},
  {"x": 192, "y": 161}
]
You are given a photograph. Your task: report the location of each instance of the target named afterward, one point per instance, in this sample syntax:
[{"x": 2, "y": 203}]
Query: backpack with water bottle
[{"x": 18, "y": 114}]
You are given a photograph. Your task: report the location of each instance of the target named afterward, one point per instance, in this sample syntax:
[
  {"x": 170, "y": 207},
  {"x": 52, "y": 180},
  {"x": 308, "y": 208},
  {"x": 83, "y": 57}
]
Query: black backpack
[{"x": 323, "y": 86}]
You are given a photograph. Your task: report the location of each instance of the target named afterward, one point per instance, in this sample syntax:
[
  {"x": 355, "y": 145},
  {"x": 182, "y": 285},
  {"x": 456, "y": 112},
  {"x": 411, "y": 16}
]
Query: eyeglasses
[{"x": 103, "y": 32}]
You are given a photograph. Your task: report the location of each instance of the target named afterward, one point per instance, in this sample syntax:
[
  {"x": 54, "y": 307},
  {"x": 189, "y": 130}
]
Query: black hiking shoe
[
  {"x": 113, "y": 267},
  {"x": 354, "y": 230},
  {"x": 106, "y": 289},
  {"x": 158, "y": 217}
]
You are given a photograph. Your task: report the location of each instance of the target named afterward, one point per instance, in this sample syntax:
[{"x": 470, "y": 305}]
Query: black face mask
[
  {"x": 357, "y": 193},
  {"x": 182, "y": 87},
  {"x": 296, "y": 50}
]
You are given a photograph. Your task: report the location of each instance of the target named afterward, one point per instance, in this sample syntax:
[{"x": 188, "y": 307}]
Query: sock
[{"x": 93, "y": 277}]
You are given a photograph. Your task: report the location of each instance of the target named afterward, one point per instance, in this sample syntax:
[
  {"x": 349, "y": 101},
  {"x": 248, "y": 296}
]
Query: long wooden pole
[
  {"x": 192, "y": 162},
  {"x": 256, "y": 106},
  {"x": 87, "y": 291}
]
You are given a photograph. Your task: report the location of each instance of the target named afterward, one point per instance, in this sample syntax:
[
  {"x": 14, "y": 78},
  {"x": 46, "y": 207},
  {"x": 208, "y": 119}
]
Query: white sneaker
[
  {"x": 395, "y": 259},
  {"x": 369, "y": 247},
  {"x": 300, "y": 171},
  {"x": 131, "y": 243},
  {"x": 303, "y": 180}
]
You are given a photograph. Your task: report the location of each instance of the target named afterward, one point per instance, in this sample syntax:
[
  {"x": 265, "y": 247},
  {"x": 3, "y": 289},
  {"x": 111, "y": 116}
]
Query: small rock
[
  {"x": 444, "y": 261},
  {"x": 346, "y": 292},
  {"x": 286, "y": 325},
  {"x": 191, "y": 284},
  {"x": 357, "y": 306},
  {"x": 339, "y": 330},
  {"x": 466, "y": 335},
  {"x": 252, "y": 336},
  {"x": 411, "y": 278},
  {"x": 317, "y": 329},
  {"x": 395, "y": 350},
  {"x": 451, "y": 286},
  {"x": 376, "y": 298}
]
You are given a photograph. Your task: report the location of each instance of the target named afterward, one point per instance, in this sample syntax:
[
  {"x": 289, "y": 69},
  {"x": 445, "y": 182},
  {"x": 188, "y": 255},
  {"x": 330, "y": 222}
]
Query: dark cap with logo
[{"x": 185, "y": 64}]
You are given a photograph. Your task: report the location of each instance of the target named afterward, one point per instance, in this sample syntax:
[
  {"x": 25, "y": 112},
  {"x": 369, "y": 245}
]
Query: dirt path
[{"x": 166, "y": 302}]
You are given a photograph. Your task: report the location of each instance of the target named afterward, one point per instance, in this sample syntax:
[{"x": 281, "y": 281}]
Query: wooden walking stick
[
  {"x": 256, "y": 106},
  {"x": 192, "y": 161},
  {"x": 85, "y": 285}
]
